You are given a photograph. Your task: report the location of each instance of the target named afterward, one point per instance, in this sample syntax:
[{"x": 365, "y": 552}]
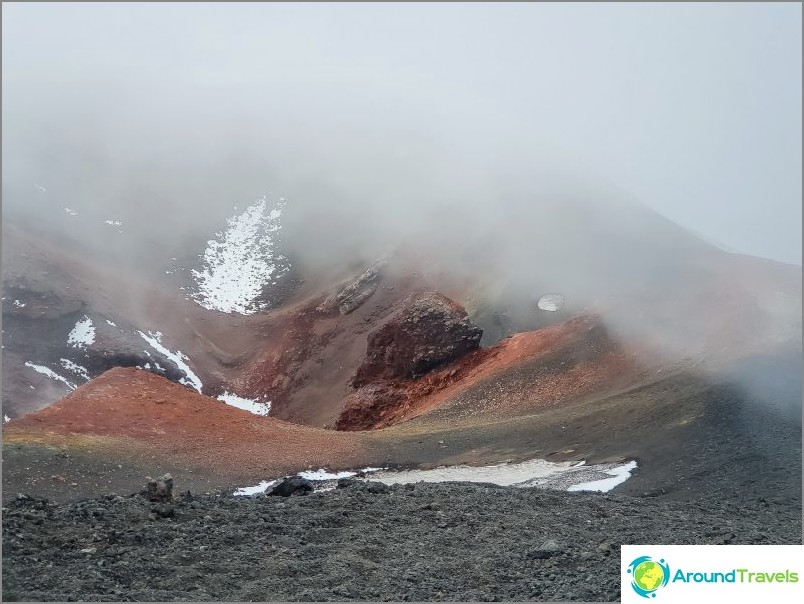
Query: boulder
[
  {"x": 548, "y": 549},
  {"x": 295, "y": 485},
  {"x": 427, "y": 331},
  {"x": 160, "y": 490}
]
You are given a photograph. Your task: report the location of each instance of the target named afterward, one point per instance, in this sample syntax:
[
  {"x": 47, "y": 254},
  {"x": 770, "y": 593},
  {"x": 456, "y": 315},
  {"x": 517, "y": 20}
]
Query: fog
[
  {"x": 370, "y": 117},
  {"x": 566, "y": 148},
  {"x": 551, "y": 146}
]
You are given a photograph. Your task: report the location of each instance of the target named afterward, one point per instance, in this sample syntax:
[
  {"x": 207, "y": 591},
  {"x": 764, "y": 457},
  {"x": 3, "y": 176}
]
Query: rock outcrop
[
  {"x": 427, "y": 331},
  {"x": 160, "y": 490},
  {"x": 295, "y": 485},
  {"x": 357, "y": 292}
]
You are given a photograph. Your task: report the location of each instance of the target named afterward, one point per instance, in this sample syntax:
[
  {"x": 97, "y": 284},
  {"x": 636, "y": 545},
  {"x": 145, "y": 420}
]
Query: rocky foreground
[{"x": 362, "y": 541}]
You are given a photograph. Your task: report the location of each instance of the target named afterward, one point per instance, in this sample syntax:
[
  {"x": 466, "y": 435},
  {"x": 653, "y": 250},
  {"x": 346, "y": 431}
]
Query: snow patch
[
  {"x": 6, "y": 419},
  {"x": 70, "y": 211},
  {"x": 75, "y": 368},
  {"x": 551, "y": 302},
  {"x": 19, "y": 304},
  {"x": 540, "y": 473},
  {"x": 322, "y": 474},
  {"x": 115, "y": 224},
  {"x": 501, "y": 474},
  {"x": 83, "y": 334},
  {"x": 40, "y": 188},
  {"x": 619, "y": 475},
  {"x": 255, "y": 407},
  {"x": 110, "y": 323},
  {"x": 51, "y": 374},
  {"x": 241, "y": 261},
  {"x": 259, "y": 488},
  {"x": 155, "y": 340}
]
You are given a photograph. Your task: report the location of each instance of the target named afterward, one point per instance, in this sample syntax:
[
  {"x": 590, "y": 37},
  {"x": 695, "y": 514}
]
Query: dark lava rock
[
  {"x": 163, "y": 510},
  {"x": 357, "y": 292},
  {"x": 349, "y": 544},
  {"x": 377, "y": 487},
  {"x": 346, "y": 483},
  {"x": 295, "y": 485},
  {"x": 427, "y": 331},
  {"x": 361, "y": 485},
  {"x": 548, "y": 549},
  {"x": 160, "y": 490}
]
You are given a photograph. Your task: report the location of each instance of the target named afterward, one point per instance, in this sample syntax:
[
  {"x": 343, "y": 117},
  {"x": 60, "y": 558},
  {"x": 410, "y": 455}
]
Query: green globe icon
[{"x": 649, "y": 575}]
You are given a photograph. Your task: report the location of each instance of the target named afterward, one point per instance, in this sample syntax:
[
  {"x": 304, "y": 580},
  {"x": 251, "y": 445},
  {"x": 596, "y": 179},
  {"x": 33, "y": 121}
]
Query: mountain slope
[{"x": 130, "y": 410}]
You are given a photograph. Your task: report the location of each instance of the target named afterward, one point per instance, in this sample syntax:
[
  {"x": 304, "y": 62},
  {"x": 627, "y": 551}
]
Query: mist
[
  {"x": 370, "y": 117},
  {"x": 552, "y": 146}
]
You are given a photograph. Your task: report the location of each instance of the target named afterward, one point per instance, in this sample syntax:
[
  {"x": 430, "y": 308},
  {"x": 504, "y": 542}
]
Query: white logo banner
[{"x": 696, "y": 573}]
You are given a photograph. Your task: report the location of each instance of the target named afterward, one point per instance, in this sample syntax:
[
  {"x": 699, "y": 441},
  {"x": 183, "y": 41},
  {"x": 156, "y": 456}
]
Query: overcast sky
[{"x": 692, "y": 109}]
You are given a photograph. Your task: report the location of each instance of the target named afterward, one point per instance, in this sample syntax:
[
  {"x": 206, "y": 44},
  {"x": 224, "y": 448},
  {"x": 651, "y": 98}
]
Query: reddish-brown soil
[
  {"x": 133, "y": 413},
  {"x": 557, "y": 364},
  {"x": 145, "y": 411},
  {"x": 307, "y": 354}
]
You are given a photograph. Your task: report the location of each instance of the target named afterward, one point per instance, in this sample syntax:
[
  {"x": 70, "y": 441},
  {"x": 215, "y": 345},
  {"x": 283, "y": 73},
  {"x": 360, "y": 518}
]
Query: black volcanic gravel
[{"x": 453, "y": 541}]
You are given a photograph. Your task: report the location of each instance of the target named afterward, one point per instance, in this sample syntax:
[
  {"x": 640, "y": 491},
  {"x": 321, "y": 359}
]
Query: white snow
[
  {"x": 619, "y": 475},
  {"x": 83, "y": 334},
  {"x": 322, "y": 474},
  {"x": 190, "y": 379},
  {"x": 75, "y": 368},
  {"x": 51, "y": 374},
  {"x": 115, "y": 224},
  {"x": 6, "y": 419},
  {"x": 110, "y": 323},
  {"x": 259, "y": 488},
  {"x": 70, "y": 211},
  {"x": 241, "y": 261},
  {"x": 566, "y": 475},
  {"x": 502, "y": 474},
  {"x": 40, "y": 187},
  {"x": 19, "y": 304},
  {"x": 551, "y": 302},
  {"x": 255, "y": 407}
]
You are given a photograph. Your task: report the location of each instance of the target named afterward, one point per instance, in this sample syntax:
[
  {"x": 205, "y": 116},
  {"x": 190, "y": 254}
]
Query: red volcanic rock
[
  {"x": 540, "y": 369},
  {"x": 373, "y": 406},
  {"x": 429, "y": 330}
]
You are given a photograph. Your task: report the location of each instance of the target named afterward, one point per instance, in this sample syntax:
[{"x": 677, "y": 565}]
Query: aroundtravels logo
[
  {"x": 678, "y": 574},
  {"x": 648, "y": 575}
]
